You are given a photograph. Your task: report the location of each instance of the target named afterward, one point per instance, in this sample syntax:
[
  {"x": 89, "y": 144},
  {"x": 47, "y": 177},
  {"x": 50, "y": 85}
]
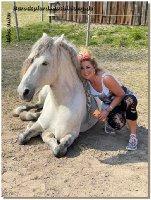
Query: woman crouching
[{"x": 118, "y": 102}]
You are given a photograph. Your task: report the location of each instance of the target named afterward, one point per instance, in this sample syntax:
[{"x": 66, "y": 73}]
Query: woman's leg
[
  {"x": 129, "y": 104},
  {"x": 126, "y": 113},
  {"x": 116, "y": 118},
  {"x": 132, "y": 126}
]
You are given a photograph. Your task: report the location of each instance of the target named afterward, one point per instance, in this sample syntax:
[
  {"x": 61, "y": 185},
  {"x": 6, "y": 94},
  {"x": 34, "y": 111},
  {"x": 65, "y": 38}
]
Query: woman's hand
[{"x": 103, "y": 115}]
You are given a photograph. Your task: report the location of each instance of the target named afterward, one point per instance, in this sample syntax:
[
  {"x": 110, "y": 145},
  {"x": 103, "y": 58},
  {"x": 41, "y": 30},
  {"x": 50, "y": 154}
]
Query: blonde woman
[{"x": 119, "y": 103}]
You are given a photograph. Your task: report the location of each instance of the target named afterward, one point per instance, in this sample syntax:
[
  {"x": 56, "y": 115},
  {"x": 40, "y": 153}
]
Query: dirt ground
[{"x": 97, "y": 164}]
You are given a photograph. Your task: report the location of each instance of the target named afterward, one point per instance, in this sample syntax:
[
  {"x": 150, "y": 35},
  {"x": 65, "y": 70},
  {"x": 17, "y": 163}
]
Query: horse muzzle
[{"x": 26, "y": 93}]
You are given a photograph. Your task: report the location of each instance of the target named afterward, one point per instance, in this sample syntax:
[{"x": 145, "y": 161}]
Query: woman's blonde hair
[{"x": 85, "y": 55}]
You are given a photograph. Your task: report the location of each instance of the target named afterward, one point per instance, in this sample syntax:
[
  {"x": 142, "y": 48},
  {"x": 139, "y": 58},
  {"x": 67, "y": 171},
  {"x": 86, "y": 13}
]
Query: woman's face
[{"x": 87, "y": 70}]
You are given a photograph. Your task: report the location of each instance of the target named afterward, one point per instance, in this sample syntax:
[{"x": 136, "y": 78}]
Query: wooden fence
[{"x": 102, "y": 12}]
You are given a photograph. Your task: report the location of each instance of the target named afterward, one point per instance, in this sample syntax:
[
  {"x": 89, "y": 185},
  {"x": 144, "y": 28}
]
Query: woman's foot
[
  {"x": 108, "y": 129},
  {"x": 132, "y": 144}
]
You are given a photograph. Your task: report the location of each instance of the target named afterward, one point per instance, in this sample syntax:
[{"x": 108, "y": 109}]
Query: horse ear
[
  {"x": 60, "y": 39},
  {"x": 44, "y": 34}
]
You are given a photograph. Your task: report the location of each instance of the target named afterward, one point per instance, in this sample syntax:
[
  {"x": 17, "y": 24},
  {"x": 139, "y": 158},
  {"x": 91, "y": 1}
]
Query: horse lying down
[{"x": 66, "y": 106}]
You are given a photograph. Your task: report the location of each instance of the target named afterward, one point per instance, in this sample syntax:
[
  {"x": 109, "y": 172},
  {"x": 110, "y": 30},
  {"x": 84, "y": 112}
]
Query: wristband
[{"x": 109, "y": 109}]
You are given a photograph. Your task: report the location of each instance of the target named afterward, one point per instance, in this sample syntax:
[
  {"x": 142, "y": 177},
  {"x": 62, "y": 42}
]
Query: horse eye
[
  {"x": 31, "y": 60},
  {"x": 45, "y": 63}
]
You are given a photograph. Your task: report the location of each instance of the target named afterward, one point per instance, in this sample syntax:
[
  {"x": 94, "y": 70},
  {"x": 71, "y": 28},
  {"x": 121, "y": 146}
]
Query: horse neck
[{"x": 67, "y": 82}]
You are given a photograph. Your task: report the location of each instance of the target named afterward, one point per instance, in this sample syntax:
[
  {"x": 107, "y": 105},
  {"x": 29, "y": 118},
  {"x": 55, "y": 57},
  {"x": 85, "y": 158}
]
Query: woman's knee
[
  {"x": 117, "y": 121},
  {"x": 131, "y": 103},
  {"x": 130, "y": 100}
]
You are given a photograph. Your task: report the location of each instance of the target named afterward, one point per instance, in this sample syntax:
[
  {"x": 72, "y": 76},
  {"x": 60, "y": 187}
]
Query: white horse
[{"x": 53, "y": 65}]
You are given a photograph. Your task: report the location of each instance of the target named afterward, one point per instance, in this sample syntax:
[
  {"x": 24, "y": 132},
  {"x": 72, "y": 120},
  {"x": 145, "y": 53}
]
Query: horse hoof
[
  {"x": 21, "y": 139},
  {"x": 60, "y": 151},
  {"x": 18, "y": 110}
]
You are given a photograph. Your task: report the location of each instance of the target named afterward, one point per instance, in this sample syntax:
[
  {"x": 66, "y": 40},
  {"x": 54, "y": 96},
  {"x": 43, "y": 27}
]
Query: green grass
[
  {"x": 121, "y": 36},
  {"x": 112, "y": 36},
  {"x": 30, "y": 29},
  {"x": 74, "y": 33}
]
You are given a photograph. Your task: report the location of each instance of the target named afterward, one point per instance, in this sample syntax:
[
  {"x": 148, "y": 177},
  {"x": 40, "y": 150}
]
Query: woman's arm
[{"x": 115, "y": 88}]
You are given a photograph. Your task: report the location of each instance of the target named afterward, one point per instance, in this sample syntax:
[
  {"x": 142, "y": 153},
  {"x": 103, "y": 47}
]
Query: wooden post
[
  {"x": 59, "y": 11},
  {"x": 78, "y": 12},
  {"x": 71, "y": 11},
  {"x": 108, "y": 12},
  {"x": 147, "y": 14},
  {"x": 97, "y": 11},
  {"x": 137, "y": 13},
  {"x": 74, "y": 11},
  {"x": 144, "y": 8},
  {"x": 51, "y": 11},
  {"x": 101, "y": 12},
  {"x": 120, "y": 12},
  {"x": 84, "y": 11},
  {"x": 16, "y": 21},
  {"x": 64, "y": 11},
  {"x": 113, "y": 12},
  {"x": 81, "y": 11},
  {"x": 93, "y": 12},
  {"x": 41, "y": 11},
  {"x": 129, "y": 12},
  {"x": 68, "y": 12},
  {"x": 104, "y": 12},
  {"x": 88, "y": 26}
]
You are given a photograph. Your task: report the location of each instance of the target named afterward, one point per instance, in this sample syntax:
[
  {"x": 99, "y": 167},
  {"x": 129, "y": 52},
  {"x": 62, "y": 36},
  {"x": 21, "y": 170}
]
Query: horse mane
[
  {"x": 73, "y": 54},
  {"x": 45, "y": 44}
]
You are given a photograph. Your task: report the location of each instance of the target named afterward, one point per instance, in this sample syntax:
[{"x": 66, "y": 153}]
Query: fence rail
[{"x": 102, "y": 12}]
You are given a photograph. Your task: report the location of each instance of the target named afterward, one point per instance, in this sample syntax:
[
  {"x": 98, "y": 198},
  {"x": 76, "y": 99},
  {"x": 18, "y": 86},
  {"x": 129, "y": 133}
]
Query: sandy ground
[{"x": 97, "y": 164}]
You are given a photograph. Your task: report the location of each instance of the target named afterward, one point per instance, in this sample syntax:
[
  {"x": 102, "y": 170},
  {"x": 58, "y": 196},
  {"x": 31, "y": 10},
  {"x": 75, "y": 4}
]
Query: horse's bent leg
[
  {"x": 39, "y": 105},
  {"x": 30, "y": 124},
  {"x": 29, "y": 116},
  {"x": 49, "y": 139},
  {"x": 65, "y": 142},
  {"x": 30, "y": 132},
  {"x": 16, "y": 112}
]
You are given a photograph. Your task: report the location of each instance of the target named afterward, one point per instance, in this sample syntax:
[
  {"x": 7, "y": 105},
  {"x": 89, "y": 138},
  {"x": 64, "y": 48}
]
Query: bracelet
[{"x": 109, "y": 109}]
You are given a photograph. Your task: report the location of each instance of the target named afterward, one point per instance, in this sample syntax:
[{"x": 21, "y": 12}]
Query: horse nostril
[{"x": 26, "y": 92}]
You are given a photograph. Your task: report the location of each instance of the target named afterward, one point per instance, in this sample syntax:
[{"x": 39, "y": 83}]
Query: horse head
[{"x": 36, "y": 70}]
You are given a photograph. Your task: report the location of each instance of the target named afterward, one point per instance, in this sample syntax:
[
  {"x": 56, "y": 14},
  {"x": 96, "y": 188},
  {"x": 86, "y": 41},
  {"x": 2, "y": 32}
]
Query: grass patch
[
  {"x": 110, "y": 36},
  {"x": 121, "y": 36},
  {"x": 73, "y": 32}
]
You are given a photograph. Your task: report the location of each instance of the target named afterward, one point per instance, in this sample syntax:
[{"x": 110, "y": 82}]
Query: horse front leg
[
  {"x": 48, "y": 138},
  {"x": 29, "y": 116},
  {"x": 17, "y": 111},
  {"x": 25, "y": 115},
  {"x": 30, "y": 132},
  {"x": 65, "y": 142}
]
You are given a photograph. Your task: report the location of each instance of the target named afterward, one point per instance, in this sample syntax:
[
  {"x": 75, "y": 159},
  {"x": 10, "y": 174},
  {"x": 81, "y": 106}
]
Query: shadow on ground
[{"x": 97, "y": 139}]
